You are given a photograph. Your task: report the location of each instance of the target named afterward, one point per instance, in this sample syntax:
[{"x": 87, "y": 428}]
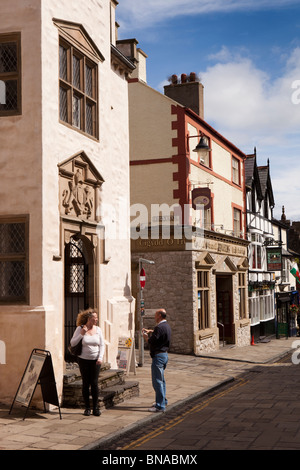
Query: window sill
[
  {"x": 207, "y": 333},
  {"x": 73, "y": 128}
]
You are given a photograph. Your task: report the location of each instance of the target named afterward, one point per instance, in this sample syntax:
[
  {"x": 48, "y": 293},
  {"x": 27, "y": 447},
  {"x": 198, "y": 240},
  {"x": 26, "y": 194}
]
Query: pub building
[
  {"x": 264, "y": 252},
  {"x": 188, "y": 179}
]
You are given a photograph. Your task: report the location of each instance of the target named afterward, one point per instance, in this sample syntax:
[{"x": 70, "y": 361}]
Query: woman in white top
[{"x": 91, "y": 356}]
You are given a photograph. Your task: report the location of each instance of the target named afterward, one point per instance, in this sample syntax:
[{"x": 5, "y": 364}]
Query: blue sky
[{"x": 247, "y": 55}]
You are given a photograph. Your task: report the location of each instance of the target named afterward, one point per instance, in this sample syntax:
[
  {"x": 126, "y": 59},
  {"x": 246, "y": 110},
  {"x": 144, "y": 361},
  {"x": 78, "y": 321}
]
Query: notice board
[
  {"x": 126, "y": 354},
  {"x": 39, "y": 370}
]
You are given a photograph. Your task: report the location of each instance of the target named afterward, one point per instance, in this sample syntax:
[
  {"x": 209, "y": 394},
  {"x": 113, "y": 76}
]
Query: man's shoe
[
  {"x": 153, "y": 409},
  {"x": 87, "y": 412},
  {"x": 96, "y": 412}
]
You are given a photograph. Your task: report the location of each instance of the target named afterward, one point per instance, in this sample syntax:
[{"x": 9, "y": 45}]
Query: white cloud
[
  {"x": 146, "y": 13},
  {"x": 243, "y": 99},
  {"x": 251, "y": 109},
  {"x": 286, "y": 187}
]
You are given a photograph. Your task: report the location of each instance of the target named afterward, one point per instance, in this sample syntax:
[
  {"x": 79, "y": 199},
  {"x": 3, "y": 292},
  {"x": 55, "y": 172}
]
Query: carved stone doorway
[{"x": 79, "y": 283}]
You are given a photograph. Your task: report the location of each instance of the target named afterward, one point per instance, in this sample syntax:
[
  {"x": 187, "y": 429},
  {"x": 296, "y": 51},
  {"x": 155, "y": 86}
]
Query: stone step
[
  {"x": 72, "y": 372},
  {"x": 113, "y": 388},
  {"x": 116, "y": 394}
]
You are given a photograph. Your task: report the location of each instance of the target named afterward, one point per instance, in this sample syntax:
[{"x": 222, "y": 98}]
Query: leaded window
[
  {"x": 78, "y": 104},
  {"x": 10, "y": 74},
  {"x": 77, "y": 267},
  {"x": 13, "y": 261}
]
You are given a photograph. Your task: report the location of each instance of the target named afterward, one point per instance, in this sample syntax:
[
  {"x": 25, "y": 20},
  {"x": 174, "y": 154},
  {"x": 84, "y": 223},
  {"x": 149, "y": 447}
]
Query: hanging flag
[{"x": 295, "y": 271}]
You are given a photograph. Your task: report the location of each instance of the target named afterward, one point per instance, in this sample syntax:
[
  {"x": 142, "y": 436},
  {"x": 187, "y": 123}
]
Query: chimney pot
[{"x": 188, "y": 92}]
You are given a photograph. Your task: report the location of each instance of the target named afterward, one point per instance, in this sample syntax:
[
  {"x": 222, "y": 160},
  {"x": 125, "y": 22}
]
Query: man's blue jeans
[{"x": 159, "y": 363}]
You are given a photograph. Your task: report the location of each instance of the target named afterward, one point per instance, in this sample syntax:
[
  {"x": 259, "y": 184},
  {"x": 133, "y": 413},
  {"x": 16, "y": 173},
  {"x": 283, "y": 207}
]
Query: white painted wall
[{"x": 31, "y": 147}]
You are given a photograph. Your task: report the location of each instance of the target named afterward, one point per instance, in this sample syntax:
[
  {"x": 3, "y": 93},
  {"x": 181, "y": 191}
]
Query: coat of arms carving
[{"x": 79, "y": 186}]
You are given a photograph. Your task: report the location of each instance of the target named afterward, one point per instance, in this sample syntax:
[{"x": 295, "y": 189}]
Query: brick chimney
[{"x": 187, "y": 91}]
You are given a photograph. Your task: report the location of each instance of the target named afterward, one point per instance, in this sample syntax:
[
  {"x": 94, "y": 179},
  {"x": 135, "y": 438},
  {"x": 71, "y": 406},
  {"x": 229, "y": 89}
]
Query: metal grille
[
  {"x": 76, "y": 247},
  {"x": 8, "y": 57},
  {"x": 77, "y": 279},
  {"x": 77, "y": 267}
]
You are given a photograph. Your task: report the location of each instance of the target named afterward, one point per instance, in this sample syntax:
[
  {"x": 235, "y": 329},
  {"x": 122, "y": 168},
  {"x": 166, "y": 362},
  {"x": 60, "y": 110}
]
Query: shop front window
[{"x": 203, "y": 299}]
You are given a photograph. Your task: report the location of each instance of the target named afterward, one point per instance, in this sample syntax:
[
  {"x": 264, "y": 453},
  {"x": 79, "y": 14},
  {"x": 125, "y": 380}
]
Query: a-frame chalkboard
[{"x": 39, "y": 371}]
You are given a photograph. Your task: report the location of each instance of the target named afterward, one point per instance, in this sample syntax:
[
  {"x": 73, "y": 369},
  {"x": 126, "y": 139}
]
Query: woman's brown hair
[{"x": 84, "y": 315}]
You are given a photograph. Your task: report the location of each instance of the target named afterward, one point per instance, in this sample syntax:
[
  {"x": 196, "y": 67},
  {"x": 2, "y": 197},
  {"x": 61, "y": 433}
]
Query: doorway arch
[{"x": 79, "y": 283}]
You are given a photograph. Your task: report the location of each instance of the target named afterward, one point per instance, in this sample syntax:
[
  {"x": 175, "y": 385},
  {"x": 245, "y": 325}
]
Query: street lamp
[
  {"x": 202, "y": 148},
  {"x": 142, "y": 309}
]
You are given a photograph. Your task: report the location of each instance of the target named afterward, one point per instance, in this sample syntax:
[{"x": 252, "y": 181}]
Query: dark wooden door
[
  {"x": 224, "y": 310},
  {"x": 76, "y": 288}
]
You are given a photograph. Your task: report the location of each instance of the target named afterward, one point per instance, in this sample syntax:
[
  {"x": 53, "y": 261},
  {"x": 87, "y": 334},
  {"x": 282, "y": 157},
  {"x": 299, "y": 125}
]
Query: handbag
[{"x": 75, "y": 350}]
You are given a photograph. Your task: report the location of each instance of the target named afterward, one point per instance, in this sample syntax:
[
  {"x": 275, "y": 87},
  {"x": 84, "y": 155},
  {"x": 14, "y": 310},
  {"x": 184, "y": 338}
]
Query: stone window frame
[
  {"x": 78, "y": 41},
  {"x": 68, "y": 86},
  {"x": 14, "y": 75},
  {"x": 203, "y": 288},
  {"x": 18, "y": 256}
]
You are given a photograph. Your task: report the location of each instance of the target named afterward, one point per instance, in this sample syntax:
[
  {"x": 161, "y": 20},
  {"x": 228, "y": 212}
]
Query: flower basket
[{"x": 294, "y": 309}]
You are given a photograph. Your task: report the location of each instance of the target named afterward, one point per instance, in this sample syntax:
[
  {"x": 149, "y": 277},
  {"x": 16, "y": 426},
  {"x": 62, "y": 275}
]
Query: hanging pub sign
[
  {"x": 274, "y": 259},
  {"x": 201, "y": 196}
]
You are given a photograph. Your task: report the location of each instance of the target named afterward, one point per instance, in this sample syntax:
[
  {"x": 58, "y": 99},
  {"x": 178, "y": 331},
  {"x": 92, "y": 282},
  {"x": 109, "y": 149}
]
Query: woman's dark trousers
[{"x": 90, "y": 371}]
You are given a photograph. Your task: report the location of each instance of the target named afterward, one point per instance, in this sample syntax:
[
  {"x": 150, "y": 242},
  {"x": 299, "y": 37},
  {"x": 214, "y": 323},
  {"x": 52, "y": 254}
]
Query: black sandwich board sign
[{"x": 39, "y": 370}]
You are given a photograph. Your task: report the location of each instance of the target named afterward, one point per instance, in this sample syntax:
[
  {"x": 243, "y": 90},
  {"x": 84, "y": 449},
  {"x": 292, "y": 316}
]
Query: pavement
[{"x": 187, "y": 377}]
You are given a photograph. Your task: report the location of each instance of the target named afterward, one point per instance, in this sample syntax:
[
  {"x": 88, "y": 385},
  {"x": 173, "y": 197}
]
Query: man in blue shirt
[{"x": 159, "y": 343}]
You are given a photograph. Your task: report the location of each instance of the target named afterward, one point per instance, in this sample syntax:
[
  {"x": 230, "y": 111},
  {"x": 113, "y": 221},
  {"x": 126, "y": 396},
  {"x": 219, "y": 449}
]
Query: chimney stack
[
  {"x": 129, "y": 48},
  {"x": 187, "y": 91}
]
